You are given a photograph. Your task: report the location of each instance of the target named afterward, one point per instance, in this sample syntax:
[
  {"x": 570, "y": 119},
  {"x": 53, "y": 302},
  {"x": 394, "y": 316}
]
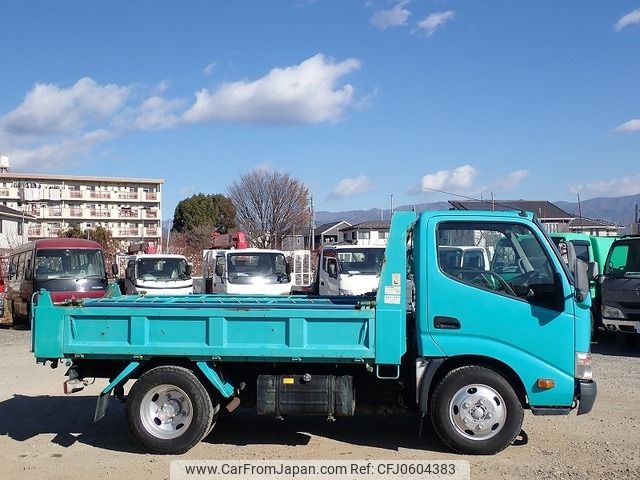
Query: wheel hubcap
[
  {"x": 477, "y": 411},
  {"x": 166, "y": 411}
]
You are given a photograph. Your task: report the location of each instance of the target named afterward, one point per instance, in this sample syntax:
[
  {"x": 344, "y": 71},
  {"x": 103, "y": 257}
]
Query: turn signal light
[{"x": 545, "y": 383}]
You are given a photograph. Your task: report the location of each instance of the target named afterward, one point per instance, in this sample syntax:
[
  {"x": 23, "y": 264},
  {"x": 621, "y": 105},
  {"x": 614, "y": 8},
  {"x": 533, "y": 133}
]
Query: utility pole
[{"x": 312, "y": 237}]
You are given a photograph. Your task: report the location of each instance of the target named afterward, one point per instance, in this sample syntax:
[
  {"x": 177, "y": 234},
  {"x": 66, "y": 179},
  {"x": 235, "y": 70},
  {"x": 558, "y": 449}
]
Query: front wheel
[
  {"x": 169, "y": 410},
  {"x": 475, "y": 411}
]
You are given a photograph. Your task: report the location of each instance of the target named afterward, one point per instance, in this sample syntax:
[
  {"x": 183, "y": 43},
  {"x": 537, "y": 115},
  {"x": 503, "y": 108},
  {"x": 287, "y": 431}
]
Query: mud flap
[
  {"x": 101, "y": 406},
  {"x": 103, "y": 399}
]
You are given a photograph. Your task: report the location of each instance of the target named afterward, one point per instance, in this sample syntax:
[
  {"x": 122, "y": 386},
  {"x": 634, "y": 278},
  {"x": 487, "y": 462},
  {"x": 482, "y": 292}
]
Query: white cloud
[
  {"x": 155, "y": 113},
  {"x": 459, "y": 178},
  {"x": 632, "y": 125},
  {"x": 304, "y": 93},
  {"x": 56, "y": 124},
  {"x": 49, "y": 110},
  {"x": 630, "y": 18},
  {"x": 50, "y": 155},
  {"x": 394, "y": 17},
  {"x": 208, "y": 70},
  {"x": 511, "y": 181},
  {"x": 348, "y": 187},
  {"x": 629, "y": 185},
  {"x": 435, "y": 20}
]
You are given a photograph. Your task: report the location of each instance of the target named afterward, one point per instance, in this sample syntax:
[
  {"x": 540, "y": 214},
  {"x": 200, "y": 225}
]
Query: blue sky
[{"x": 358, "y": 99}]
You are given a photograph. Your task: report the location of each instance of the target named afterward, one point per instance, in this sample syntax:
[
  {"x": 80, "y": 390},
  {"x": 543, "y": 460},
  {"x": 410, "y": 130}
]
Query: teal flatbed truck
[{"x": 478, "y": 346}]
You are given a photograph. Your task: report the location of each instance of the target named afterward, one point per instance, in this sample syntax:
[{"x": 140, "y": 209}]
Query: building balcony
[
  {"x": 101, "y": 195},
  {"x": 150, "y": 195},
  {"x": 76, "y": 194},
  {"x": 75, "y": 212},
  {"x": 128, "y": 232},
  {"x": 125, "y": 213},
  {"x": 151, "y": 232},
  {"x": 5, "y": 192},
  {"x": 100, "y": 213},
  {"x": 150, "y": 213},
  {"x": 128, "y": 195}
]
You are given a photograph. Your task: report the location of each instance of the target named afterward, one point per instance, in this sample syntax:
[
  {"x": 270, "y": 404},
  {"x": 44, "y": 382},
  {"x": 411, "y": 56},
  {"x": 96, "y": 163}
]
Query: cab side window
[{"x": 519, "y": 265}]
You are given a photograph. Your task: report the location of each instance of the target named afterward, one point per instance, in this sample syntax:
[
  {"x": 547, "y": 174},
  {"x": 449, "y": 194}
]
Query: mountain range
[{"x": 619, "y": 210}]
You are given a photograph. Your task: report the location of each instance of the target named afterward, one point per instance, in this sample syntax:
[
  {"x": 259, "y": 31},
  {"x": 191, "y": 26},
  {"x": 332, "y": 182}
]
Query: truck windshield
[
  {"x": 624, "y": 260},
  {"x": 161, "y": 269},
  {"x": 361, "y": 261},
  {"x": 266, "y": 265},
  {"x": 68, "y": 263}
]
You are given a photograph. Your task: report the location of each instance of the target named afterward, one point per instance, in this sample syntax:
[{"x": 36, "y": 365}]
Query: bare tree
[{"x": 269, "y": 206}]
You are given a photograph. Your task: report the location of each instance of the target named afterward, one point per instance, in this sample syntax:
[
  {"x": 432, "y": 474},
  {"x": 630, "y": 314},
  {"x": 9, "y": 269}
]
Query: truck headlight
[
  {"x": 583, "y": 366},
  {"x": 345, "y": 292},
  {"x": 611, "y": 312}
]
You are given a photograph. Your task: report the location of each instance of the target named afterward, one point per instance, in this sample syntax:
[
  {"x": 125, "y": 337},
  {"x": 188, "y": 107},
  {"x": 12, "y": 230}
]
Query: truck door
[
  {"x": 220, "y": 274},
  {"x": 520, "y": 312},
  {"x": 328, "y": 273}
]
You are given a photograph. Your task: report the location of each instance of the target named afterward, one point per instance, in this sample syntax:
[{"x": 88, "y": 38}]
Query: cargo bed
[{"x": 208, "y": 327}]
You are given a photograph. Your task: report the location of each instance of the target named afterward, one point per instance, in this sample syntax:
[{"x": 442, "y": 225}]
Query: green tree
[{"x": 214, "y": 211}]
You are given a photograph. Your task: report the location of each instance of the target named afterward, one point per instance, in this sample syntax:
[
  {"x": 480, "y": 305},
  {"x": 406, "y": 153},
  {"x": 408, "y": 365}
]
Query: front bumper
[
  {"x": 625, "y": 326},
  {"x": 586, "y": 395}
]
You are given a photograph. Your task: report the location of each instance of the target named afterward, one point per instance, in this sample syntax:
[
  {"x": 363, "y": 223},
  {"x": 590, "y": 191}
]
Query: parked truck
[
  {"x": 620, "y": 285},
  {"x": 346, "y": 269},
  {"x": 592, "y": 250},
  {"x": 252, "y": 271},
  {"x": 474, "y": 354},
  {"x": 155, "y": 274}
]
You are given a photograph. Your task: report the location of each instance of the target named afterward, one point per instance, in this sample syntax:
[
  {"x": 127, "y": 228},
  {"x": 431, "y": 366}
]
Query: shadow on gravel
[
  {"x": 70, "y": 419},
  {"x": 616, "y": 345},
  {"x": 391, "y": 433}
]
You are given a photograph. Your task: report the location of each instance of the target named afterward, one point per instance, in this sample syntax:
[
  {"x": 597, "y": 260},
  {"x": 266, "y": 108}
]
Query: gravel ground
[{"x": 44, "y": 434}]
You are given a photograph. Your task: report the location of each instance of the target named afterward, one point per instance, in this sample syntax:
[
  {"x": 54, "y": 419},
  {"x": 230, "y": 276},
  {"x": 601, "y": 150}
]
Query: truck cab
[
  {"x": 349, "y": 269},
  {"x": 593, "y": 251},
  {"x": 158, "y": 274},
  {"x": 621, "y": 288},
  {"x": 251, "y": 271}
]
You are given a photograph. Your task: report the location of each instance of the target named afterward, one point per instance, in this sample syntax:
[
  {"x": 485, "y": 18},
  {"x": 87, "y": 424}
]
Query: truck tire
[
  {"x": 476, "y": 411},
  {"x": 169, "y": 410}
]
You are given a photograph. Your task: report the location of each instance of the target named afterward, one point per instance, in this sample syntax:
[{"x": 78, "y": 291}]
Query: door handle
[{"x": 448, "y": 323}]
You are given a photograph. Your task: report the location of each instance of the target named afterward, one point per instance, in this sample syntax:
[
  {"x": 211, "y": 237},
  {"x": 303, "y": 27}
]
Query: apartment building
[{"x": 130, "y": 208}]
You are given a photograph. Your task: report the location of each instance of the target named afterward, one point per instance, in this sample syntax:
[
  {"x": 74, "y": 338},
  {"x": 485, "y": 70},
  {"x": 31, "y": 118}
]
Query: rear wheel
[
  {"x": 169, "y": 410},
  {"x": 476, "y": 411}
]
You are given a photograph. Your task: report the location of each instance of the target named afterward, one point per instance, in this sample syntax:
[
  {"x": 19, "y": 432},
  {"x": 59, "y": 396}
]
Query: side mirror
[
  {"x": 114, "y": 269},
  {"x": 582, "y": 279},
  {"x": 129, "y": 273},
  {"x": 28, "y": 274},
  {"x": 188, "y": 269},
  {"x": 593, "y": 270},
  {"x": 288, "y": 269},
  {"x": 12, "y": 269}
]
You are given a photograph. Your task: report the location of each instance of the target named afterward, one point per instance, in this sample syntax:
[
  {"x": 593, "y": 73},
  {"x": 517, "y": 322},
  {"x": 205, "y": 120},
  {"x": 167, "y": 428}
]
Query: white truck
[
  {"x": 464, "y": 256},
  {"x": 157, "y": 274},
  {"x": 349, "y": 269},
  {"x": 251, "y": 271}
]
